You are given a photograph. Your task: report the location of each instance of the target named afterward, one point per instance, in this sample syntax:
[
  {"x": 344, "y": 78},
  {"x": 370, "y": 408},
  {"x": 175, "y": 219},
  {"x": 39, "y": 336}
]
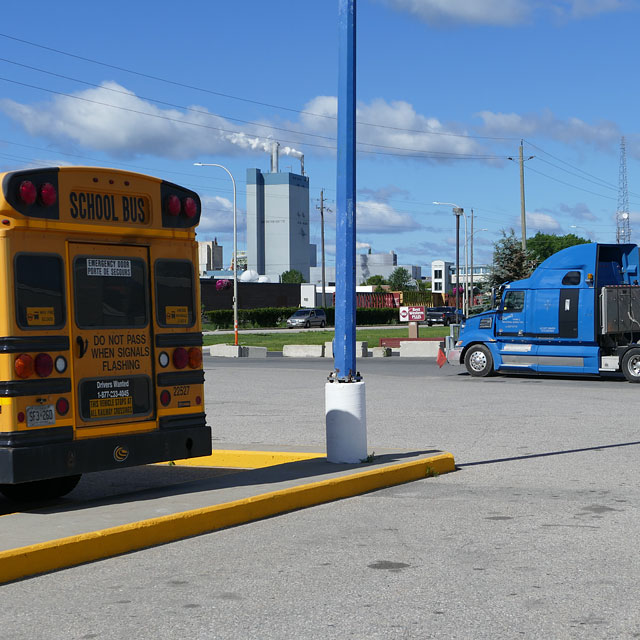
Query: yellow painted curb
[
  {"x": 97, "y": 545},
  {"x": 238, "y": 459}
]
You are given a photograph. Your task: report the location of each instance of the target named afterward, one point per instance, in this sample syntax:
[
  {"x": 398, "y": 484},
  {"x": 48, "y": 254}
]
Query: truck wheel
[
  {"x": 478, "y": 361},
  {"x": 322, "y": 323},
  {"x": 40, "y": 489},
  {"x": 631, "y": 365}
]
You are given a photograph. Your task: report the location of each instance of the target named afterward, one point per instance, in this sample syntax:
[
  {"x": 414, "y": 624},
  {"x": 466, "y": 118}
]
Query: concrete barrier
[
  {"x": 303, "y": 350},
  {"x": 226, "y": 350},
  {"x": 362, "y": 349},
  {"x": 254, "y": 352},
  {"x": 419, "y": 349},
  {"x": 380, "y": 352}
]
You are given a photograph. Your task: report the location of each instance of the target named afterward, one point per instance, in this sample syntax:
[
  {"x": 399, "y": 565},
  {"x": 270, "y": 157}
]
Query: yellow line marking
[
  {"x": 247, "y": 459},
  {"x": 96, "y": 545}
]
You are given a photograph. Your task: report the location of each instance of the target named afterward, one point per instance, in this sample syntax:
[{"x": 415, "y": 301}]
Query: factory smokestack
[{"x": 274, "y": 157}]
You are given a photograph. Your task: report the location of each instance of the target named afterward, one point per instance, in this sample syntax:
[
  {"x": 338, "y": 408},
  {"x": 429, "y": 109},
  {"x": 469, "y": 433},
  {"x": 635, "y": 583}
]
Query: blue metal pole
[{"x": 345, "y": 335}]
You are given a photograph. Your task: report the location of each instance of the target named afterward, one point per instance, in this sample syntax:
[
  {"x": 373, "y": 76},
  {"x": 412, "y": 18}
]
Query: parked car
[
  {"x": 443, "y": 315},
  {"x": 307, "y": 318}
]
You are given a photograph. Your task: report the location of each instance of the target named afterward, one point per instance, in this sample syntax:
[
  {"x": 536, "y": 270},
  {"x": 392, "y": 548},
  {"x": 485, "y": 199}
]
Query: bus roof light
[
  {"x": 173, "y": 205},
  {"x": 27, "y": 192},
  {"x": 48, "y": 194},
  {"x": 189, "y": 207}
]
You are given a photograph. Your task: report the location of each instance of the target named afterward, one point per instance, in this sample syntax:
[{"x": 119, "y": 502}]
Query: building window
[
  {"x": 437, "y": 286},
  {"x": 437, "y": 274}
]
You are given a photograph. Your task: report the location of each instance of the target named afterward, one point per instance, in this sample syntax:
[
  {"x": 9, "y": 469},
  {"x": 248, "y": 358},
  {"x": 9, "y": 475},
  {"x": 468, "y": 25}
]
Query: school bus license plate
[
  {"x": 42, "y": 415},
  {"x": 109, "y": 407}
]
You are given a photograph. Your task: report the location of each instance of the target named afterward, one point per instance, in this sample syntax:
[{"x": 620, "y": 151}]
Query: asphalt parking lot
[{"x": 534, "y": 536}]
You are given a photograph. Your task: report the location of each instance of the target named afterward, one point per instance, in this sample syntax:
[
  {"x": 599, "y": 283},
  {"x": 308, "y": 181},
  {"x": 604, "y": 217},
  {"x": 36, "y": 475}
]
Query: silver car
[{"x": 307, "y": 318}]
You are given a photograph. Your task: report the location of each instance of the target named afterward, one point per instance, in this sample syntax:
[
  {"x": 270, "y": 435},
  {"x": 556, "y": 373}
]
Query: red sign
[{"x": 412, "y": 314}]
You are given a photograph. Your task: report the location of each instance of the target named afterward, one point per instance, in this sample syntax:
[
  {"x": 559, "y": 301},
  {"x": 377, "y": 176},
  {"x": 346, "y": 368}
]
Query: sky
[{"x": 446, "y": 92}]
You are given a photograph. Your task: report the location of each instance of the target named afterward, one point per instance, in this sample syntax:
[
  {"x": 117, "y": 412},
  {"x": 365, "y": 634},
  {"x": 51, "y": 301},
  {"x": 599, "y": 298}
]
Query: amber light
[
  {"x": 195, "y": 358},
  {"x": 24, "y": 365},
  {"x": 43, "y": 365},
  {"x": 165, "y": 398},
  {"x": 180, "y": 358}
]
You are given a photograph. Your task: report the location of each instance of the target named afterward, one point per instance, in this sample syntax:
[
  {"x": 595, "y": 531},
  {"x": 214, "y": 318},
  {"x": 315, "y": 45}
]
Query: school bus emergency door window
[
  {"x": 110, "y": 292},
  {"x": 174, "y": 293},
  {"x": 39, "y": 287}
]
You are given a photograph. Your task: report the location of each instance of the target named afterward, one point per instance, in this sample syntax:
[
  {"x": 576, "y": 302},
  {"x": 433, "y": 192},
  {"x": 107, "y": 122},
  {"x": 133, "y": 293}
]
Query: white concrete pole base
[{"x": 346, "y": 420}]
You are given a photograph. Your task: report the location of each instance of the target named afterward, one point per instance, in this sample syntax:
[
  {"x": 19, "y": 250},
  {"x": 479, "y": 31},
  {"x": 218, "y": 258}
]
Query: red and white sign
[{"x": 412, "y": 314}]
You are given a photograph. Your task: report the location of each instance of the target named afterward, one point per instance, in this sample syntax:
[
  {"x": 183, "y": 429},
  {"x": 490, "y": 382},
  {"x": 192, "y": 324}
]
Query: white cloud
[
  {"x": 113, "y": 119},
  {"x": 379, "y": 217},
  {"x": 604, "y": 135},
  {"x": 505, "y": 13},
  {"x": 495, "y": 12},
  {"x": 217, "y": 217},
  {"x": 542, "y": 222},
  {"x": 134, "y": 127}
]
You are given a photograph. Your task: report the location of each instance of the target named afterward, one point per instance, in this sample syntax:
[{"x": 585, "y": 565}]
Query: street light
[
  {"x": 457, "y": 212},
  {"x": 575, "y": 226},
  {"x": 235, "y": 247}
]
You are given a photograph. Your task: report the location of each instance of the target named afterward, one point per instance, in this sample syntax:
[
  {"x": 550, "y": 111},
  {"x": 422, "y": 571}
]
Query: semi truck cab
[{"x": 578, "y": 313}]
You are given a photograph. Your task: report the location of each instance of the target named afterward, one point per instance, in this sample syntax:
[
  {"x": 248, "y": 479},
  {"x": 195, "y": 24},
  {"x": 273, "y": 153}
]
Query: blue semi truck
[{"x": 578, "y": 313}]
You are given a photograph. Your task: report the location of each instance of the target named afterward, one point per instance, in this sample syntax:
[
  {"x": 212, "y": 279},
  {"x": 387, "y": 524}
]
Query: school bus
[{"x": 100, "y": 335}]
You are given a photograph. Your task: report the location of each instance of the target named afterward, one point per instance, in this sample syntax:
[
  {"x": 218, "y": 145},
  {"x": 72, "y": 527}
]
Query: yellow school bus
[{"x": 100, "y": 335}]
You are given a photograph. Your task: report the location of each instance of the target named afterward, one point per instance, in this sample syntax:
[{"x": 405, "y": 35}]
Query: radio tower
[{"x": 623, "y": 230}]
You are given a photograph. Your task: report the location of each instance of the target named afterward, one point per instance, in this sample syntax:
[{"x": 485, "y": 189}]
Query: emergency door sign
[{"x": 412, "y": 314}]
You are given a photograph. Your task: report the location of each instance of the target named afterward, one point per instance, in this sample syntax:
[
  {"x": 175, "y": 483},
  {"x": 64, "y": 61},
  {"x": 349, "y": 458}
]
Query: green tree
[
  {"x": 375, "y": 280},
  {"x": 510, "y": 262},
  {"x": 292, "y": 276},
  {"x": 543, "y": 245},
  {"x": 399, "y": 279}
]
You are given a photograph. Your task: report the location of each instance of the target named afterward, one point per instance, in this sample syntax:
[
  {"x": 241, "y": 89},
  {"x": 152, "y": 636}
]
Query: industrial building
[{"x": 278, "y": 222}]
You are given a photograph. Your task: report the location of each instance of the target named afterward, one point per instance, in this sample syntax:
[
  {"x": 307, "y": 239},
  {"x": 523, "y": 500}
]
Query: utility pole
[
  {"x": 523, "y": 215},
  {"x": 471, "y": 268},
  {"x": 322, "y": 209},
  {"x": 457, "y": 215}
]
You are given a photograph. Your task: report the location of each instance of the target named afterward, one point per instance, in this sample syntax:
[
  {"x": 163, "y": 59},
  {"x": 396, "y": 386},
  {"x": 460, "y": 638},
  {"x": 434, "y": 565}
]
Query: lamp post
[
  {"x": 575, "y": 226},
  {"x": 235, "y": 247},
  {"x": 457, "y": 212}
]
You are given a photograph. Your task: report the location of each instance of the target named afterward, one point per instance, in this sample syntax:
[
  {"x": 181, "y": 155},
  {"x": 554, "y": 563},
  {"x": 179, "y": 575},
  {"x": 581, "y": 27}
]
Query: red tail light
[
  {"x": 62, "y": 406},
  {"x": 195, "y": 357},
  {"x": 165, "y": 398},
  {"x": 189, "y": 207},
  {"x": 173, "y": 205},
  {"x": 24, "y": 366},
  {"x": 180, "y": 358},
  {"x": 44, "y": 365},
  {"x": 48, "y": 194},
  {"x": 27, "y": 192}
]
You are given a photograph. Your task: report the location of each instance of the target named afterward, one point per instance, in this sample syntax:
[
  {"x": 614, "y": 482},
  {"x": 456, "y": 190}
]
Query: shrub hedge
[{"x": 277, "y": 317}]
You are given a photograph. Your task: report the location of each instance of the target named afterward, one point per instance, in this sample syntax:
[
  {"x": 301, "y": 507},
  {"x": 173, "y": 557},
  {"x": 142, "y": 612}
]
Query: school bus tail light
[
  {"x": 48, "y": 194},
  {"x": 43, "y": 365},
  {"x": 173, "y": 205},
  {"x": 165, "y": 398},
  {"x": 189, "y": 207},
  {"x": 180, "y": 358},
  {"x": 195, "y": 358},
  {"x": 62, "y": 406},
  {"x": 27, "y": 192},
  {"x": 23, "y": 366}
]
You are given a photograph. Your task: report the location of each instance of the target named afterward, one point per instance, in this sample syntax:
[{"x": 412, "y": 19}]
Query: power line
[{"x": 232, "y": 97}]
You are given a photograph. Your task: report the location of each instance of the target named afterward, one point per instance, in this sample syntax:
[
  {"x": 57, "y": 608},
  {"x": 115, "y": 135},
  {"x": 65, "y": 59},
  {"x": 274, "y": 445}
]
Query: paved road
[{"x": 536, "y": 535}]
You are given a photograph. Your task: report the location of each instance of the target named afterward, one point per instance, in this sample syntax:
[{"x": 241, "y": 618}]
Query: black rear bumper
[{"x": 55, "y": 459}]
